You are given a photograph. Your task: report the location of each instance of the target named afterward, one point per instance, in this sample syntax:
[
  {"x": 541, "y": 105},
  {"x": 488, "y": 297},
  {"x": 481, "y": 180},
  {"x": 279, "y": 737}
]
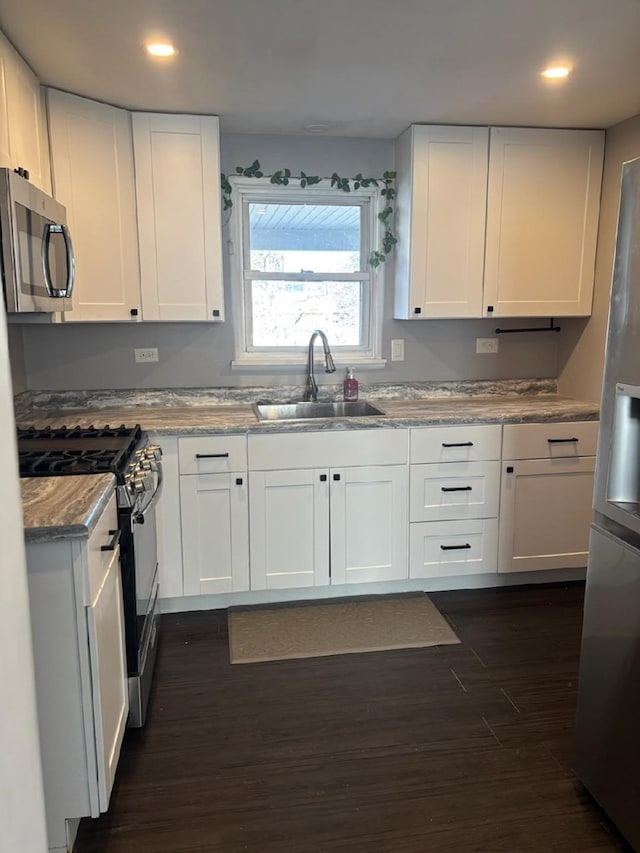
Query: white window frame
[{"x": 290, "y": 359}]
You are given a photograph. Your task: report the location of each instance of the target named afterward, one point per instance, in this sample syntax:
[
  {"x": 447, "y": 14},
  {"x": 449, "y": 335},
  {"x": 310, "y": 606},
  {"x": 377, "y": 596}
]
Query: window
[{"x": 301, "y": 262}]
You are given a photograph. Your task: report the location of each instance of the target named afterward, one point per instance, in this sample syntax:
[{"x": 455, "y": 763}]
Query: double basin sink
[{"x": 312, "y": 411}]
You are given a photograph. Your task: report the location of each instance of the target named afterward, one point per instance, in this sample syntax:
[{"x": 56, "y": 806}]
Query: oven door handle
[{"x": 139, "y": 517}]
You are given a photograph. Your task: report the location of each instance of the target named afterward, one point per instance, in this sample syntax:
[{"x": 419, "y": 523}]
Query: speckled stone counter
[
  {"x": 64, "y": 507},
  {"x": 211, "y": 411}
]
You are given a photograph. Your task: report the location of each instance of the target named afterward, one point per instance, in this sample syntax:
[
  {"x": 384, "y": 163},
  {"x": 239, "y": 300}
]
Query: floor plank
[{"x": 451, "y": 749}]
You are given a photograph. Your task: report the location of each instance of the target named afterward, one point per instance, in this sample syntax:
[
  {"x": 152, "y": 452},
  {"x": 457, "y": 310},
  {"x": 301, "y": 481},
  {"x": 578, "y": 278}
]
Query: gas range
[{"x": 123, "y": 451}]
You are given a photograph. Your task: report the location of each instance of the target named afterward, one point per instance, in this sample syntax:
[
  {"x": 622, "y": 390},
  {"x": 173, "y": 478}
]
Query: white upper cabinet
[
  {"x": 499, "y": 222},
  {"x": 178, "y": 194},
  {"x": 23, "y": 127},
  {"x": 441, "y": 202},
  {"x": 92, "y": 165},
  {"x": 542, "y": 220}
]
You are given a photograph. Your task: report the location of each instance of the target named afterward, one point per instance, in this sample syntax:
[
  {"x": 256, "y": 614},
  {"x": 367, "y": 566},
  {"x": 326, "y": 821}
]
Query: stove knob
[
  {"x": 154, "y": 451},
  {"x": 148, "y": 465},
  {"x": 140, "y": 484}
]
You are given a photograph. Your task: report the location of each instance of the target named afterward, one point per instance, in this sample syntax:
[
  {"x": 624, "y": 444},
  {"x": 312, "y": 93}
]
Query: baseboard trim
[{"x": 217, "y": 602}]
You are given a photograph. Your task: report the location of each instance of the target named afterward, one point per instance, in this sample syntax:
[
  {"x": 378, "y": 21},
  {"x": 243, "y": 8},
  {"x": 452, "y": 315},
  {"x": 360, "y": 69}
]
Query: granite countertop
[
  {"x": 64, "y": 507},
  {"x": 201, "y": 411},
  {"x": 227, "y": 418}
]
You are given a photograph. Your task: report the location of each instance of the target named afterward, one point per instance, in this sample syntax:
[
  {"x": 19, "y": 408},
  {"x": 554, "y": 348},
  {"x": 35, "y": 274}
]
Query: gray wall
[
  {"x": 76, "y": 356},
  {"x": 582, "y": 351},
  {"x": 16, "y": 355}
]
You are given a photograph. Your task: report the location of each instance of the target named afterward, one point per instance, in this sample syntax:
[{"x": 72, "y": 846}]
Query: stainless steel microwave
[{"x": 37, "y": 254}]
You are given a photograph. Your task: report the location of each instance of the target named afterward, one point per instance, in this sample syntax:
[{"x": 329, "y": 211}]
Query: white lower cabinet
[
  {"x": 331, "y": 522},
  {"x": 319, "y": 526},
  {"x": 446, "y": 548},
  {"x": 454, "y": 500},
  {"x": 546, "y": 507},
  {"x": 214, "y": 514},
  {"x": 289, "y": 513},
  {"x": 77, "y": 626}
]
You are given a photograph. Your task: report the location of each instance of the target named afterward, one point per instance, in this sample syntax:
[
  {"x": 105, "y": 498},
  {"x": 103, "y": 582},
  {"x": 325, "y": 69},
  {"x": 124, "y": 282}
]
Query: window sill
[{"x": 280, "y": 365}]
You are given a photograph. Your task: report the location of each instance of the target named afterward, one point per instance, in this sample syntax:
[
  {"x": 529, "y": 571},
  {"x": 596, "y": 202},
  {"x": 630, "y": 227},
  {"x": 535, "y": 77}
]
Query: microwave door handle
[
  {"x": 49, "y": 229},
  {"x": 71, "y": 263},
  {"x": 44, "y": 256}
]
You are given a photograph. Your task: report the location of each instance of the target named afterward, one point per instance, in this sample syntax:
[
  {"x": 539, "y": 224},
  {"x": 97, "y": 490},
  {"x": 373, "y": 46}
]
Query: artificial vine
[{"x": 282, "y": 177}]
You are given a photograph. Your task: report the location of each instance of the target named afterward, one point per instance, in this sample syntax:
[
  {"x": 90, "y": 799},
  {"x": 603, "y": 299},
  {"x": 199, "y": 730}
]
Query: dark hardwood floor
[{"x": 451, "y": 749}]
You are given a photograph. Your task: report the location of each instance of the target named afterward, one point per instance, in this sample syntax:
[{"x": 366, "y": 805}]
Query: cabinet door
[
  {"x": 215, "y": 533},
  {"x": 442, "y": 187},
  {"x": 178, "y": 193},
  {"x": 369, "y": 524},
  {"x": 23, "y": 139},
  {"x": 289, "y": 528},
  {"x": 545, "y": 514},
  {"x": 542, "y": 218},
  {"x": 105, "y": 624},
  {"x": 92, "y": 163}
]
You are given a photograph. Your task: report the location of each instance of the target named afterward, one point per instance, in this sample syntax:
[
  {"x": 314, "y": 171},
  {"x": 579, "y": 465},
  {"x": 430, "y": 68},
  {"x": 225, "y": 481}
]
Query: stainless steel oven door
[{"x": 147, "y": 616}]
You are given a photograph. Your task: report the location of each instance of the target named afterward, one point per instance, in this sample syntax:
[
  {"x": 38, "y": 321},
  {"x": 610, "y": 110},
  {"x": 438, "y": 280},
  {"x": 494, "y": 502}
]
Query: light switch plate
[
  {"x": 485, "y": 345},
  {"x": 146, "y": 355},
  {"x": 397, "y": 349}
]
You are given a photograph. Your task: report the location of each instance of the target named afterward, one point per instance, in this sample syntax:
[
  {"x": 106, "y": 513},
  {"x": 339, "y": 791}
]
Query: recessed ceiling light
[
  {"x": 556, "y": 72},
  {"x": 161, "y": 49}
]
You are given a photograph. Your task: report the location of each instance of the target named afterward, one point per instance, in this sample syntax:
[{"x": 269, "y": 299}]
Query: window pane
[
  {"x": 304, "y": 237},
  {"x": 285, "y": 313}
]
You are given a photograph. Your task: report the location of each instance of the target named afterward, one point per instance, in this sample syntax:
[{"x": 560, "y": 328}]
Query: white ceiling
[{"x": 362, "y": 67}]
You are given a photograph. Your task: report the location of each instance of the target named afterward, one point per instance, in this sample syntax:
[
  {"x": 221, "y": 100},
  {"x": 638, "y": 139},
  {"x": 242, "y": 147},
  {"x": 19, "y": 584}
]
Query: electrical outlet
[
  {"x": 397, "y": 349},
  {"x": 484, "y": 345},
  {"x": 143, "y": 356}
]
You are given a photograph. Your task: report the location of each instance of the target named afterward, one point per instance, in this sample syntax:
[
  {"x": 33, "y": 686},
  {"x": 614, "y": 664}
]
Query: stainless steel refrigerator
[{"x": 608, "y": 714}]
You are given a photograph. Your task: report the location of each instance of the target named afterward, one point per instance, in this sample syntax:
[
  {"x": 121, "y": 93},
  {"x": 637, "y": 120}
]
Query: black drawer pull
[
  {"x": 115, "y": 538},
  {"x": 563, "y": 440},
  {"x": 212, "y": 455},
  {"x": 459, "y": 444},
  {"x": 336, "y": 477},
  {"x": 323, "y": 478},
  {"x": 455, "y": 547},
  {"x": 456, "y": 488},
  {"x": 238, "y": 481}
]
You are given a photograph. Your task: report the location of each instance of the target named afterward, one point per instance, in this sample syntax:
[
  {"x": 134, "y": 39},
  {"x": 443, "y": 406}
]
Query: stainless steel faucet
[{"x": 311, "y": 388}]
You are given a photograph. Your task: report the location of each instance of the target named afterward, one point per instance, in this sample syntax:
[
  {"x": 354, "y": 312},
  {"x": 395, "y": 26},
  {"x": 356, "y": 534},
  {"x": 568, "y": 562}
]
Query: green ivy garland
[{"x": 282, "y": 177}]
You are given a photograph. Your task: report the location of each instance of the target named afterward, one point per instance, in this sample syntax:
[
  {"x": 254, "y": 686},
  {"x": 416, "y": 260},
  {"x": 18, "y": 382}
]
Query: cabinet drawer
[
  {"x": 212, "y": 454},
  {"x": 455, "y": 443},
  {"x": 550, "y": 440},
  {"x": 331, "y": 449},
  {"x": 99, "y": 561},
  {"x": 451, "y": 490},
  {"x": 444, "y": 548}
]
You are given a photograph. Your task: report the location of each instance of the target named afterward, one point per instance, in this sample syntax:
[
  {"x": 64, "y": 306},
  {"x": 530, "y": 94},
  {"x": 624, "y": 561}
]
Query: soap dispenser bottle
[{"x": 350, "y": 387}]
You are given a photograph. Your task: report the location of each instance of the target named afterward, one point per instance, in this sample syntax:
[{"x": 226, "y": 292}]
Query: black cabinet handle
[
  {"x": 458, "y": 444},
  {"x": 456, "y": 488},
  {"x": 133, "y": 312},
  {"x": 323, "y": 478},
  {"x": 563, "y": 440},
  {"x": 509, "y": 469},
  {"x": 455, "y": 547},
  {"x": 212, "y": 455},
  {"x": 115, "y": 538},
  {"x": 417, "y": 310},
  {"x": 336, "y": 476},
  {"x": 239, "y": 481}
]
